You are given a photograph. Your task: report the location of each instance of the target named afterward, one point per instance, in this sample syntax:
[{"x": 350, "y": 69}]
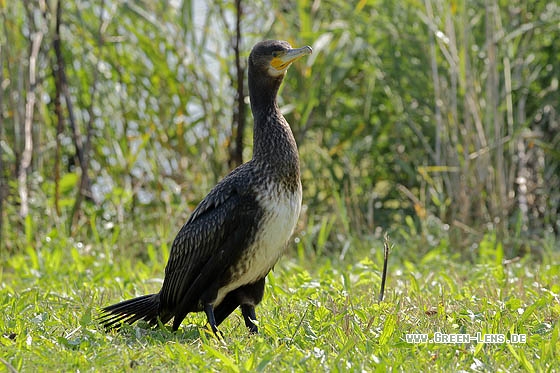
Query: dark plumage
[{"x": 221, "y": 256}]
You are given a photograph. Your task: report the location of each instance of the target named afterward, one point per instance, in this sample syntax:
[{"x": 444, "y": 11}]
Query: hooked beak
[{"x": 281, "y": 62}]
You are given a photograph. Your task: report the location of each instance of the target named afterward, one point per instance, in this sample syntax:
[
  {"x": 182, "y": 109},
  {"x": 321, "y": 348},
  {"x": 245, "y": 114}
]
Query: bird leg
[
  {"x": 249, "y": 315},
  {"x": 209, "y": 311}
]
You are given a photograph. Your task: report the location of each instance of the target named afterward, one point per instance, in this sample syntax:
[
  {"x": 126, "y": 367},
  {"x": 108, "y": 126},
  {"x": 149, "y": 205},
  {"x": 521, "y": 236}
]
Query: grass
[{"x": 318, "y": 314}]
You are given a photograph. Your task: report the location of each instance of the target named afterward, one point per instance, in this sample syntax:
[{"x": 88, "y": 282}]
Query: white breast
[{"x": 279, "y": 221}]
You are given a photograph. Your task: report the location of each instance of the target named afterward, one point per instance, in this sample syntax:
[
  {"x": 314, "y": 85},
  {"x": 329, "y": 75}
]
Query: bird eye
[{"x": 275, "y": 54}]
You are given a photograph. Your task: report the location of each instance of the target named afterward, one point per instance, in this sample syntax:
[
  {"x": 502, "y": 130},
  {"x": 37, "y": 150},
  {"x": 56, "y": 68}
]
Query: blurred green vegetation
[{"x": 436, "y": 121}]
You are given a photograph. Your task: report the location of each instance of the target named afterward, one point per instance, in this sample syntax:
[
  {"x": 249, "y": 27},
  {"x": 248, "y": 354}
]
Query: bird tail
[{"x": 142, "y": 308}]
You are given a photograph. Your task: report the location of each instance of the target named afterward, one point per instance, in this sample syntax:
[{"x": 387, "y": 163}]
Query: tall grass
[{"x": 480, "y": 171}]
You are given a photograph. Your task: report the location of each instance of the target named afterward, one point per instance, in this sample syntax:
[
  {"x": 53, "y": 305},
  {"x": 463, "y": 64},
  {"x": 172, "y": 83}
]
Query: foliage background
[{"x": 434, "y": 119}]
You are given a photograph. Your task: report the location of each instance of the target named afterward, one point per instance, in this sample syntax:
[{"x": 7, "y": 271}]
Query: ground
[{"x": 319, "y": 313}]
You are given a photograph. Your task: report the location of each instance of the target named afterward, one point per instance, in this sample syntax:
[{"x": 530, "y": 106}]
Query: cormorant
[{"x": 221, "y": 256}]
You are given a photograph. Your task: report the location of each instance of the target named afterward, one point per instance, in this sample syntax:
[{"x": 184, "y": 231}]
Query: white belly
[{"x": 280, "y": 219}]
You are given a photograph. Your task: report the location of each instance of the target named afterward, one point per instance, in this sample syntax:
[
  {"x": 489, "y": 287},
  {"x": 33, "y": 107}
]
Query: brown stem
[
  {"x": 386, "y": 249},
  {"x": 238, "y": 125},
  {"x": 61, "y": 70},
  {"x": 2, "y": 173},
  {"x": 60, "y": 124}
]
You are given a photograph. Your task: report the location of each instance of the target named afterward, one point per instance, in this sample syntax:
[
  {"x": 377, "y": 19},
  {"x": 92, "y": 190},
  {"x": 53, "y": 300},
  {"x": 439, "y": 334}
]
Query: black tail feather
[{"x": 129, "y": 311}]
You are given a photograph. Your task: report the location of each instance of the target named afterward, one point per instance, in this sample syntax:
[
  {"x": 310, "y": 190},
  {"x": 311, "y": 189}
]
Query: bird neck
[
  {"x": 263, "y": 92},
  {"x": 274, "y": 146}
]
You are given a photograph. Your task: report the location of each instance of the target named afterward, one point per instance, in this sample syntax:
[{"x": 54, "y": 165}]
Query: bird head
[{"x": 273, "y": 57}]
